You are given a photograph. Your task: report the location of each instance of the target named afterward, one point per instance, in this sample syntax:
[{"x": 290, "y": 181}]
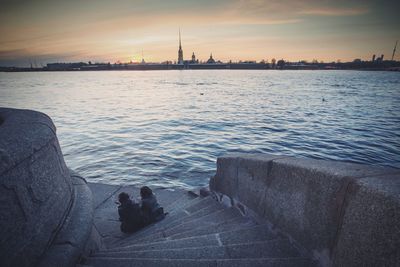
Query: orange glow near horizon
[{"x": 51, "y": 31}]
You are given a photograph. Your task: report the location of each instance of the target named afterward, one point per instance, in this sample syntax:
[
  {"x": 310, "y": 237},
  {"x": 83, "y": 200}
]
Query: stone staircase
[{"x": 198, "y": 231}]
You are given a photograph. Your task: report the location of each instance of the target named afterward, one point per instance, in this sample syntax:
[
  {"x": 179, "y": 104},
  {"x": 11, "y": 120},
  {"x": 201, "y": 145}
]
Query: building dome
[{"x": 210, "y": 60}]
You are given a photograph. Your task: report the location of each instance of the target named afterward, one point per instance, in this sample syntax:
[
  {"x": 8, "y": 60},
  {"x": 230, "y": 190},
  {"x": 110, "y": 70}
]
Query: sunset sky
[{"x": 45, "y": 31}]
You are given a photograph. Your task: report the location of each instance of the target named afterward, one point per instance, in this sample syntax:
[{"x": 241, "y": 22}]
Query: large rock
[
  {"x": 35, "y": 186},
  {"x": 312, "y": 202}
]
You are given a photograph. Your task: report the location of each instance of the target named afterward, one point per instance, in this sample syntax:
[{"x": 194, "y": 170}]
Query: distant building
[
  {"x": 280, "y": 64},
  {"x": 373, "y": 57},
  {"x": 180, "y": 51},
  {"x": 210, "y": 60}
]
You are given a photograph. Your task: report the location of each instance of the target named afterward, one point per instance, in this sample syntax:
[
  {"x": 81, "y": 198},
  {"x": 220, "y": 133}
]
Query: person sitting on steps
[
  {"x": 130, "y": 214},
  {"x": 151, "y": 210}
]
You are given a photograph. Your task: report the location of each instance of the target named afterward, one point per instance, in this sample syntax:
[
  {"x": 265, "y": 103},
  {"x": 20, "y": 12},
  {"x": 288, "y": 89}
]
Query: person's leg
[{"x": 123, "y": 227}]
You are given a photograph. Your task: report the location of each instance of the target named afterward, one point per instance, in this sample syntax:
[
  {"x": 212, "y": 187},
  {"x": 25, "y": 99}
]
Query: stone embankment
[
  {"x": 262, "y": 210},
  {"x": 344, "y": 214},
  {"x": 46, "y": 210}
]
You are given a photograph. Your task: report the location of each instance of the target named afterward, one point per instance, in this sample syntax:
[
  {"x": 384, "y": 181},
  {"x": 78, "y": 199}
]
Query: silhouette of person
[
  {"x": 151, "y": 210},
  {"x": 130, "y": 214}
]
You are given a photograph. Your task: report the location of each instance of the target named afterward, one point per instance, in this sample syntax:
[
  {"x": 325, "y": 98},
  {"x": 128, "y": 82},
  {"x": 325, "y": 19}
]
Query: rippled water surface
[{"x": 168, "y": 127}]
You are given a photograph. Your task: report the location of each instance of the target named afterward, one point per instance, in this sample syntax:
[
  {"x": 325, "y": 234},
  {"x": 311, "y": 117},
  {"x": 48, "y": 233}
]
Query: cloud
[
  {"x": 73, "y": 29},
  {"x": 23, "y": 58},
  {"x": 12, "y": 53},
  {"x": 285, "y": 9},
  {"x": 334, "y": 11}
]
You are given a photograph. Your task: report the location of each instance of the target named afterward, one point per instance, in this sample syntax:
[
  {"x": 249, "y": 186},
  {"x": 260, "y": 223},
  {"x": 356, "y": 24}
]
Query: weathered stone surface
[
  {"x": 244, "y": 235},
  {"x": 268, "y": 262},
  {"x": 369, "y": 234},
  {"x": 72, "y": 238},
  {"x": 23, "y": 132},
  {"x": 210, "y": 219},
  {"x": 227, "y": 177},
  {"x": 265, "y": 249},
  {"x": 95, "y": 243},
  {"x": 35, "y": 186},
  {"x": 225, "y": 180},
  {"x": 224, "y": 226},
  {"x": 305, "y": 198},
  {"x": 102, "y": 192}
]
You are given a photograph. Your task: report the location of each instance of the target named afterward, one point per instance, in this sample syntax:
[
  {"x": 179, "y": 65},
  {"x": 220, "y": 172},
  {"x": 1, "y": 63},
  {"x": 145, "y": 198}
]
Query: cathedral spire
[
  {"x": 180, "y": 45},
  {"x": 180, "y": 51}
]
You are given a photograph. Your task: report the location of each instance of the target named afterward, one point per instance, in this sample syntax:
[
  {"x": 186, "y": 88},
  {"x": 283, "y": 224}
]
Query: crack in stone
[
  {"x": 341, "y": 214},
  {"x": 30, "y": 156}
]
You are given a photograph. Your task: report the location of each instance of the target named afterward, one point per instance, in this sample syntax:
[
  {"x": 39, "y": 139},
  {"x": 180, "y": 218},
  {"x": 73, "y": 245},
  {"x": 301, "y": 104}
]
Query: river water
[{"x": 167, "y": 128}]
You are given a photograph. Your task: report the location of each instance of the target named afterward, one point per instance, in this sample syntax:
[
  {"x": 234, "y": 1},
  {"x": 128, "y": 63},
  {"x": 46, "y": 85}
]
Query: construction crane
[{"x": 394, "y": 50}]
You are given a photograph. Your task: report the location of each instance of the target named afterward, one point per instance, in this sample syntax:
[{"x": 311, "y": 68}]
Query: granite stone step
[
  {"x": 186, "y": 216},
  {"x": 206, "y": 201},
  {"x": 263, "y": 249},
  {"x": 106, "y": 214},
  {"x": 198, "y": 231},
  {"x": 251, "y": 234},
  {"x": 167, "y": 197},
  {"x": 165, "y": 224},
  {"x": 212, "y": 219},
  {"x": 178, "y": 228},
  {"x": 225, "y": 226},
  {"x": 182, "y": 201},
  {"x": 161, "y": 232},
  {"x": 176, "y": 209},
  {"x": 204, "y": 206},
  {"x": 264, "y": 262},
  {"x": 230, "y": 225}
]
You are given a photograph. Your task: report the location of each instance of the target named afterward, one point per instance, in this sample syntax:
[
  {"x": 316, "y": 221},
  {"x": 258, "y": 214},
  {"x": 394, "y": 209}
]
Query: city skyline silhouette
[{"x": 57, "y": 31}]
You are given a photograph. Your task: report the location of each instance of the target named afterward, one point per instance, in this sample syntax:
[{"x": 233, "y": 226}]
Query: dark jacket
[
  {"x": 151, "y": 210},
  {"x": 130, "y": 216}
]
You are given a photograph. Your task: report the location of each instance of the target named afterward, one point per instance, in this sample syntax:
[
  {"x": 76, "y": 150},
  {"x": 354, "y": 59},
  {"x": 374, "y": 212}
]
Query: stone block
[
  {"x": 35, "y": 186},
  {"x": 253, "y": 179},
  {"x": 73, "y": 236},
  {"x": 304, "y": 198},
  {"x": 226, "y": 179},
  {"x": 22, "y": 133},
  {"x": 369, "y": 233}
]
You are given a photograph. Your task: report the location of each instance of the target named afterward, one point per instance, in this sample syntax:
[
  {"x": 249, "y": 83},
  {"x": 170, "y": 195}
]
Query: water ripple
[{"x": 168, "y": 127}]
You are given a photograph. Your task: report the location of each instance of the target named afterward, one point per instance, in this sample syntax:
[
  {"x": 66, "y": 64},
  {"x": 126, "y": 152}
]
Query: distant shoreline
[{"x": 174, "y": 67}]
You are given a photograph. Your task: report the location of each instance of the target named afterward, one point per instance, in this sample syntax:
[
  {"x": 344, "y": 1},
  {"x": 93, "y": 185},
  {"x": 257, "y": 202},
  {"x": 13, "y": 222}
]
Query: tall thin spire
[
  {"x": 180, "y": 45},
  {"x": 394, "y": 50},
  {"x": 180, "y": 51}
]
